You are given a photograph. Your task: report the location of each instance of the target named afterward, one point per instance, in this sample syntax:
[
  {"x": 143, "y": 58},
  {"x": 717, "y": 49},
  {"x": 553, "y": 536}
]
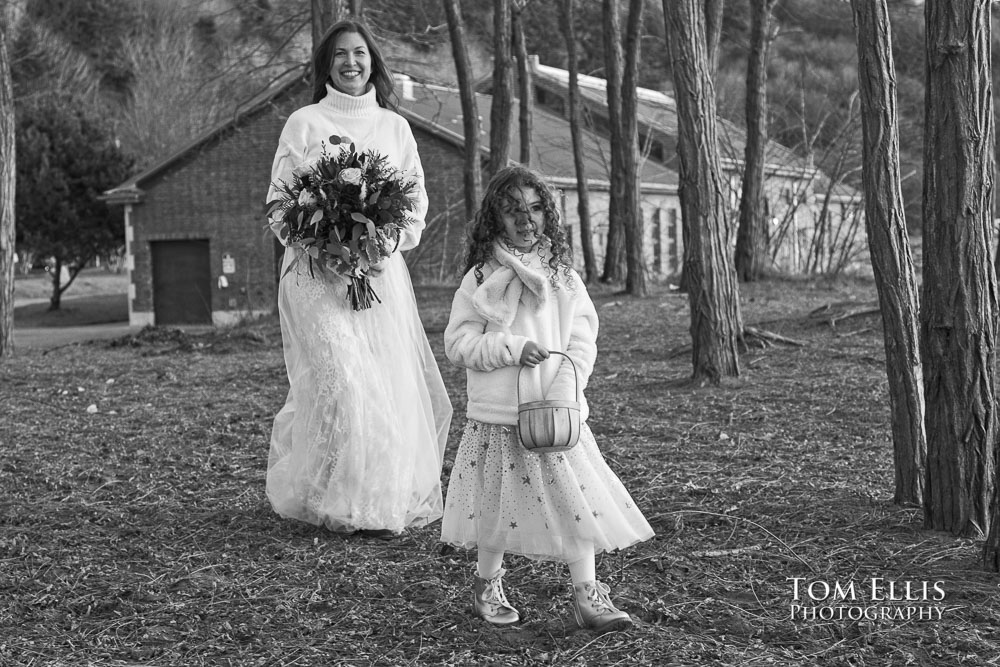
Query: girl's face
[
  {"x": 523, "y": 217},
  {"x": 352, "y": 64}
]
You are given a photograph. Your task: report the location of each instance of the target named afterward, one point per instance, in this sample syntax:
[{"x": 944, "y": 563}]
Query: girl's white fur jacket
[{"x": 490, "y": 324}]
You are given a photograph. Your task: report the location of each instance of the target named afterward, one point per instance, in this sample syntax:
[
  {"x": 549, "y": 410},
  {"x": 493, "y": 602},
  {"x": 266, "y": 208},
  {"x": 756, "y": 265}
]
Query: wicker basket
[{"x": 549, "y": 426}]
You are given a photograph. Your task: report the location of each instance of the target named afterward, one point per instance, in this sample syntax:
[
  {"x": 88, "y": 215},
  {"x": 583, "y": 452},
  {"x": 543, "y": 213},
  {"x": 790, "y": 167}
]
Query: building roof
[
  {"x": 435, "y": 109},
  {"x": 439, "y": 108},
  {"x": 657, "y": 111}
]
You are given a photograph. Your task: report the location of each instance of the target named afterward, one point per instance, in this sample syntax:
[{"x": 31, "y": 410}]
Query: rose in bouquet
[{"x": 346, "y": 211}]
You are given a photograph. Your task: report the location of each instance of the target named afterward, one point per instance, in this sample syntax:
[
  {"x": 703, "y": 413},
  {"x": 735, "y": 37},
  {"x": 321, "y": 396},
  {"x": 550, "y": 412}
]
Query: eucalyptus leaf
[{"x": 291, "y": 265}]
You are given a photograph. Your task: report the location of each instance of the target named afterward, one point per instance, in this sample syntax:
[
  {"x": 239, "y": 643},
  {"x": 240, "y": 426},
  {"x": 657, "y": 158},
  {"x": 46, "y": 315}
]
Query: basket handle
[{"x": 576, "y": 376}]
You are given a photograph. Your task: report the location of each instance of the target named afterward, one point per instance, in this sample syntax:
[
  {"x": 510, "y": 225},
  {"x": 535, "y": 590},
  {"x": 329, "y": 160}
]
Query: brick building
[{"x": 197, "y": 249}]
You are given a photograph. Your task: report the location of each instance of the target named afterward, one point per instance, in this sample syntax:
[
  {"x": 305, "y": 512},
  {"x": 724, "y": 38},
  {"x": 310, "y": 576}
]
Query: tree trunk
[
  {"x": 55, "y": 300},
  {"x": 895, "y": 278},
  {"x": 632, "y": 217},
  {"x": 713, "y": 37},
  {"x": 473, "y": 176},
  {"x": 751, "y": 236},
  {"x": 502, "y": 84},
  {"x": 324, "y": 14},
  {"x": 716, "y": 322},
  {"x": 614, "y": 252},
  {"x": 523, "y": 84},
  {"x": 959, "y": 315},
  {"x": 576, "y": 133},
  {"x": 713, "y": 31},
  {"x": 7, "y": 171}
]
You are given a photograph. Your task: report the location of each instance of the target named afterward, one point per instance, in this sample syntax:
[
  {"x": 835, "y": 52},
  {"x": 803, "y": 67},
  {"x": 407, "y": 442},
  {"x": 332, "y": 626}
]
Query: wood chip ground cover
[{"x": 134, "y": 527}]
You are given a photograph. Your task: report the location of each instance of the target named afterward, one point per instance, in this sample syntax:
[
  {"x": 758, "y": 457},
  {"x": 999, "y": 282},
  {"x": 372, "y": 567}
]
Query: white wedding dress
[{"x": 360, "y": 442}]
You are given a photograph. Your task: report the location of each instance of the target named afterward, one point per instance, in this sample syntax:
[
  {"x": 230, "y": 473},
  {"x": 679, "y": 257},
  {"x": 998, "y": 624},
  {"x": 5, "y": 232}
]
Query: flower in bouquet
[{"x": 346, "y": 211}]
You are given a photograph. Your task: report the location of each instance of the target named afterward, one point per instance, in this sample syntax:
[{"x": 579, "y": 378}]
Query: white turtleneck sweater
[{"x": 370, "y": 127}]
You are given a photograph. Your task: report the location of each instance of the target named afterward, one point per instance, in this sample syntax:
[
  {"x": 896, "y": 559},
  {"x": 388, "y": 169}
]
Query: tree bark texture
[
  {"x": 635, "y": 256},
  {"x": 566, "y": 16},
  {"x": 526, "y": 103},
  {"x": 751, "y": 235},
  {"x": 614, "y": 253},
  {"x": 895, "y": 277},
  {"x": 324, "y": 14},
  {"x": 473, "y": 176},
  {"x": 7, "y": 183},
  {"x": 716, "y": 322},
  {"x": 503, "y": 76},
  {"x": 713, "y": 31},
  {"x": 959, "y": 315}
]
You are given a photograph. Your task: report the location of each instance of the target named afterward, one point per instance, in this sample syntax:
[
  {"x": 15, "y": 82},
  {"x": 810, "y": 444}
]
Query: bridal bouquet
[{"x": 346, "y": 211}]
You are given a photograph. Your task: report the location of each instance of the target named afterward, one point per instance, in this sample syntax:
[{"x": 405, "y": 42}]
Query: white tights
[{"x": 581, "y": 568}]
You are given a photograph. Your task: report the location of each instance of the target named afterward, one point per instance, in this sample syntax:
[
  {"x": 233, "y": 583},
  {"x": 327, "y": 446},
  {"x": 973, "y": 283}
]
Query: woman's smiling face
[{"x": 352, "y": 64}]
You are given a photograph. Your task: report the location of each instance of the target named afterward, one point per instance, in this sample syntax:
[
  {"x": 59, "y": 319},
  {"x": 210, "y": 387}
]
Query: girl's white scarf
[{"x": 512, "y": 283}]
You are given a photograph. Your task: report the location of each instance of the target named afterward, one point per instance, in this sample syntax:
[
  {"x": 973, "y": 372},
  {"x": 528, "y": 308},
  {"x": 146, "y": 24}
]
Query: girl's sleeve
[
  {"x": 582, "y": 348},
  {"x": 466, "y": 341},
  {"x": 414, "y": 171},
  {"x": 290, "y": 154}
]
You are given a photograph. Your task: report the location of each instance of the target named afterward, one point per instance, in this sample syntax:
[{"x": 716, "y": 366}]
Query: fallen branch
[
  {"x": 763, "y": 335},
  {"x": 832, "y": 313},
  {"x": 715, "y": 553},
  {"x": 756, "y": 525}
]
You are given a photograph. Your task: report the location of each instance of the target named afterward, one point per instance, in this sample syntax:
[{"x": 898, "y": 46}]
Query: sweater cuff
[
  {"x": 516, "y": 346},
  {"x": 409, "y": 236}
]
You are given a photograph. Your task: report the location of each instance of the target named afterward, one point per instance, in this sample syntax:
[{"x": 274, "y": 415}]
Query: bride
[{"x": 359, "y": 443}]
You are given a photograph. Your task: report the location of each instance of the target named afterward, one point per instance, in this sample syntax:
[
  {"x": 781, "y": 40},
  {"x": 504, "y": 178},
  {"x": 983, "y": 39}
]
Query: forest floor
[{"x": 134, "y": 528}]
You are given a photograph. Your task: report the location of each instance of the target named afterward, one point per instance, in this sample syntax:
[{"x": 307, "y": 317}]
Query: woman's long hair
[
  {"x": 488, "y": 226},
  {"x": 381, "y": 76}
]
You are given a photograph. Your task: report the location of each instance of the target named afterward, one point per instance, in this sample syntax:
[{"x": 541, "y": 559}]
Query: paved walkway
[{"x": 46, "y": 338}]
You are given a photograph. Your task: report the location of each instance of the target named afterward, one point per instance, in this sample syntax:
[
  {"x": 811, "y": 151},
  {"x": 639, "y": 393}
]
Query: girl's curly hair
[{"x": 487, "y": 226}]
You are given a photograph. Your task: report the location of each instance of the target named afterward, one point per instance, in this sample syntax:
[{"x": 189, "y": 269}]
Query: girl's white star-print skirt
[{"x": 502, "y": 497}]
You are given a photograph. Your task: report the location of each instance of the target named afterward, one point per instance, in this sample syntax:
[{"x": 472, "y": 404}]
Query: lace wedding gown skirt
[{"x": 360, "y": 441}]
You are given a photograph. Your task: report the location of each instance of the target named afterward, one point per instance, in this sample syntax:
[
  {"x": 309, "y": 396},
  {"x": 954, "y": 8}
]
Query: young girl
[{"x": 519, "y": 299}]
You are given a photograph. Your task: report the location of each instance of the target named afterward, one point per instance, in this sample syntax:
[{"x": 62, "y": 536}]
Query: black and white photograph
[{"x": 356, "y": 333}]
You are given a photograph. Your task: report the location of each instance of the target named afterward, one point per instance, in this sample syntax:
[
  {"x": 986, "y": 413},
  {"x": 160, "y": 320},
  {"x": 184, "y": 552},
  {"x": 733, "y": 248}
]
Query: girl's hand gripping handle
[{"x": 533, "y": 354}]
